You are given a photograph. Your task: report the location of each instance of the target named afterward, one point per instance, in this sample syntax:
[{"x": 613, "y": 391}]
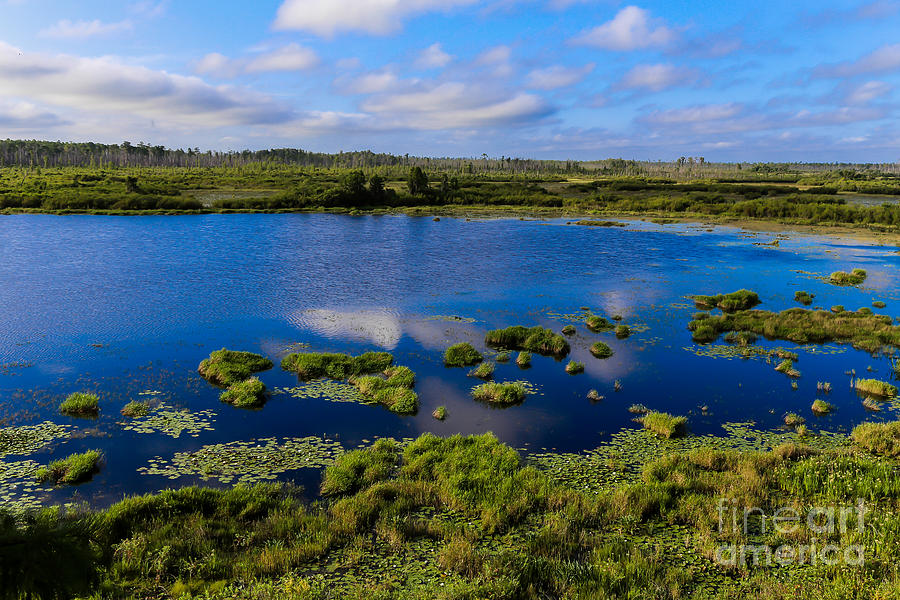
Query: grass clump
[
  {"x": 483, "y": 371},
  {"x": 136, "y": 408},
  {"x": 463, "y": 354},
  {"x": 623, "y": 331},
  {"x": 393, "y": 390},
  {"x": 499, "y": 393},
  {"x": 75, "y": 468},
  {"x": 502, "y": 357},
  {"x": 311, "y": 365},
  {"x": 250, "y": 393},
  {"x": 598, "y": 324},
  {"x": 601, "y": 350},
  {"x": 733, "y": 302},
  {"x": 574, "y": 367},
  {"x": 870, "y": 403},
  {"x": 878, "y": 438},
  {"x": 804, "y": 298},
  {"x": 741, "y": 338},
  {"x": 227, "y": 367},
  {"x": 568, "y": 330},
  {"x": 855, "y": 277},
  {"x": 793, "y": 420},
  {"x": 534, "y": 339},
  {"x": 838, "y": 308},
  {"x": 440, "y": 413},
  {"x": 787, "y": 367},
  {"x": 820, "y": 407},
  {"x": 80, "y": 404},
  {"x": 524, "y": 359},
  {"x": 664, "y": 425},
  {"x": 879, "y": 304},
  {"x": 875, "y": 387},
  {"x": 400, "y": 400},
  {"x": 357, "y": 469}
]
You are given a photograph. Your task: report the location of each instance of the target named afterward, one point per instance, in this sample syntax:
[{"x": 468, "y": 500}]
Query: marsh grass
[
  {"x": 740, "y": 338},
  {"x": 499, "y": 393},
  {"x": 524, "y": 359},
  {"x": 393, "y": 390},
  {"x": 598, "y": 324},
  {"x": 594, "y": 396},
  {"x": 136, "y": 408},
  {"x": 787, "y": 367},
  {"x": 440, "y": 413},
  {"x": 838, "y": 308},
  {"x": 601, "y": 350},
  {"x": 876, "y": 387},
  {"x": 398, "y": 399},
  {"x": 879, "y": 304},
  {"x": 227, "y": 367},
  {"x": 80, "y": 404},
  {"x": 463, "y": 354},
  {"x": 855, "y": 277},
  {"x": 73, "y": 469},
  {"x": 569, "y": 330},
  {"x": 483, "y": 371},
  {"x": 574, "y": 368},
  {"x": 534, "y": 339},
  {"x": 820, "y": 407},
  {"x": 879, "y": 438},
  {"x": 870, "y": 403},
  {"x": 664, "y": 425},
  {"x": 311, "y": 365},
  {"x": 735, "y": 301},
  {"x": 503, "y": 357},
  {"x": 623, "y": 331},
  {"x": 792, "y": 419},
  {"x": 804, "y": 298},
  {"x": 250, "y": 393}
]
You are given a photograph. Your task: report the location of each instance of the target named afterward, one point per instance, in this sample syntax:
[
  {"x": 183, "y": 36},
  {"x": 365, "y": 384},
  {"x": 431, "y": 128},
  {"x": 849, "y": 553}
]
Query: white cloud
[
  {"x": 696, "y": 114},
  {"x": 292, "y": 57},
  {"x": 66, "y": 29},
  {"x": 107, "y": 85},
  {"x": 868, "y": 91},
  {"x": 555, "y": 77},
  {"x": 631, "y": 29},
  {"x": 369, "y": 83},
  {"x": 886, "y": 58},
  {"x": 657, "y": 77},
  {"x": 25, "y": 116},
  {"x": 433, "y": 57},
  {"x": 495, "y": 55},
  {"x": 379, "y": 17}
]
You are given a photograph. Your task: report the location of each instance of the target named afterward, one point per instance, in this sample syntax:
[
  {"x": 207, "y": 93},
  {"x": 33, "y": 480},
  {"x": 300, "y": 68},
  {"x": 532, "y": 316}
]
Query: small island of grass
[
  {"x": 73, "y": 469},
  {"x": 598, "y": 324},
  {"x": 499, "y": 393},
  {"x": 463, "y": 354},
  {"x": 855, "y": 277},
  {"x": 574, "y": 367},
  {"x": 534, "y": 339},
  {"x": 524, "y": 359},
  {"x": 820, "y": 407},
  {"x": 733, "y": 302},
  {"x": 227, "y": 367},
  {"x": 250, "y": 393},
  {"x": 601, "y": 350},
  {"x": 136, "y": 408},
  {"x": 80, "y": 404},
  {"x": 483, "y": 371},
  {"x": 804, "y": 298},
  {"x": 664, "y": 425},
  {"x": 876, "y": 387},
  {"x": 310, "y": 365}
]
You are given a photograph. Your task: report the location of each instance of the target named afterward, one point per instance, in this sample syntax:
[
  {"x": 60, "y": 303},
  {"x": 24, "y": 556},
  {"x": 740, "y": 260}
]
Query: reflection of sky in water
[{"x": 123, "y": 305}]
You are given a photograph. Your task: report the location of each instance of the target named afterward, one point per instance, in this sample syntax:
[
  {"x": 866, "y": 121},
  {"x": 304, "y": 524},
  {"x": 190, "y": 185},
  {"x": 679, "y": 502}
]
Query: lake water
[{"x": 128, "y": 307}]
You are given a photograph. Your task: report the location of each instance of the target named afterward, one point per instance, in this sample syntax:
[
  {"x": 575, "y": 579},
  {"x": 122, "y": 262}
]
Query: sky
[{"x": 805, "y": 81}]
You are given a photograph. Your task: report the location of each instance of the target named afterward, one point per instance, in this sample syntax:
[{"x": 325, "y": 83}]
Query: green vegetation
[
  {"x": 574, "y": 367},
  {"x": 855, "y": 277},
  {"x": 787, "y": 367},
  {"x": 876, "y": 388},
  {"x": 353, "y": 471},
  {"x": 664, "y": 424},
  {"x": 804, "y": 298},
  {"x": 483, "y": 371},
  {"x": 729, "y": 303},
  {"x": 793, "y": 420},
  {"x": 601, "y": 350},
  {"x": 864, "y": 331},
  {"x": 250, "y": 393},
  {"x": 820, "y": 407},
  {"x": 73, "y": 469},
  {"x": 569, "y": 330},
  {"x": 499, "y": 393},
  {"x": 741, "y": 338},
  {"x": 597, "y": 324},
  {"x": 463, "y": 354},
  {"x": 524, "y": 359},
  {"x": 440, "y": 413},
  {"x": 136, "y": 408},
  {"x": 227, "y": 367},
  {"x": 393, "y": 391},
  {"x": 623, "y": 331},
  {"x": 312, "y": 365},
  {"x": 80, "y": 404},
  {"x": 534, "y": 339},
  {"x": 838, "y": 308},
  {"x": 503, "y": 357},
  {"x": 879, "y": 304},
  {"x": 589, "y": 223},
  {"x": 880, "y": 438}
]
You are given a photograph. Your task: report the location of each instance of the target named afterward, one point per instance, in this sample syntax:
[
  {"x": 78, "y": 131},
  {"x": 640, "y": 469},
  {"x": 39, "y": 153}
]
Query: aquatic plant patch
[
  {"x": 855, "y": 277},
  {"x": 227, "y": 367},
  {"x": 28, "y": 439},
  {"x": 75, "y": 468},
  {"x": 167, "y": 420},
  {"x": 462, "y": 354},
  {"x": 534, "y": 339},
  {"x": 324, "y": 389},
  {"x": 735, "y": 301}
]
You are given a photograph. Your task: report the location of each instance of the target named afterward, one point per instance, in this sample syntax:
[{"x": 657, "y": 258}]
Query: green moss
[
  {"x": 312, "y": 365},
  {"x": 855, "y": 277},
  {"x": 227, "y": 367},
  {"x": 463, "y": 354},
  {"x": 80, "y": 404},
  {"x": 820, "y": 407},
  {"x": 601, "y": 350},
  {"x": 483, "y": 371},
  {"x": 574, "y": 368},
  {"x": 136, "y": 408},
  {"x": 664, "y": 424},
  {"x": 250, "y": 393},
  {"x": 876, "y": 388},
  {"x": 499, "y": 393},
  {"x": 73, "y": 469},
  {"x": 804, "y": 298},
  {"x": 524, "y": 359},
  {"x": 534, "y": 339},
  {"x": 880, "y": 438},
  {"x": 735, "y": 301},
  {"x": 598, "y": 324},
  {"x": 440, "y": 413}
]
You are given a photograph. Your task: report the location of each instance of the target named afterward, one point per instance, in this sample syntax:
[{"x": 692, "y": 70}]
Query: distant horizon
[{"x": 804, "y": 82}]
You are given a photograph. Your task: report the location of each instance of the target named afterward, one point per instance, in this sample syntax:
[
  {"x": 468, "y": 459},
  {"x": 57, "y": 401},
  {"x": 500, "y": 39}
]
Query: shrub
[
  {"x": 879, "y": 438},
  {"x": 664, "y": 424},
  {"x": 227, "y": 367},
  {"x": 820, "y": 407},
  {"x": 483, "y": 371},
  {"x": 499, "y": 393},
  {"x": 250, "y": 393},
  {"x": 876, "y": 387},
  {"x": 601, "y": 350},
  {"x": 310, "y": 365},
  {"x": 534, "y": 339},
  {"x": 524, "y": 359},
  {"x": 80, "y": 404},
  {"x": 136, "y": 408},
  {"x": 623, "y": 331},
  {"x": 463, "y": 354},
  {"x": 73, "y": 469},
  {"x": 574, "y": 368}
]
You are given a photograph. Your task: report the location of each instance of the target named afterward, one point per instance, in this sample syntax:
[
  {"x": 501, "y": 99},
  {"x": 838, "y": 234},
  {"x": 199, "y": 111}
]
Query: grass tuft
[
  {"x": 311, "y": 365},
  {"x": 855, "y": 277},
  {"x": 136, "y": 408},
  {"x": 499, "y": 393},
  {"x": 73, "y": 469},
  {"x": 601, "y": 350},
  {"x": 463, "y": 354},
  {"x": 804, "y": 298},
  {"x": 598, "y": 324},
  {"x": 878, "y": 438},
  {"x": 250, "y": 393},
  {"x": 574, "y": 367},
  {"x": 80, "y": 404},
  {"x": 524, "y": 359},
  {"x": 876, "y": 387},
  {"x": 227, "y": 367},
  {"x": 440, "y": 413},
  {"x": 483, "y": 371},
  {"x": 733, "y": 302},
  {"x": 820, "y": 407},
  {"x": 664, "y": 424},
  {"x": 534, "y": 339}
]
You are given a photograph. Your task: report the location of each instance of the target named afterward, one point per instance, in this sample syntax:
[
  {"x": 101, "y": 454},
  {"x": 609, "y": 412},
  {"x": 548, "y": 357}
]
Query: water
[{"x": 125, "y": 305}]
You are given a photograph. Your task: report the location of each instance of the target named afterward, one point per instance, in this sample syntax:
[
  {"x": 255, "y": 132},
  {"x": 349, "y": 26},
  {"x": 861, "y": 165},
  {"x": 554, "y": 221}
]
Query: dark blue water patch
[{"x": 124, "y": 306}]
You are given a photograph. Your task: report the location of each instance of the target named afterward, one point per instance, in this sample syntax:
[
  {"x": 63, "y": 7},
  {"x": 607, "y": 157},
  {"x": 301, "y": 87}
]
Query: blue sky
[{"x": 581, "y": 79}]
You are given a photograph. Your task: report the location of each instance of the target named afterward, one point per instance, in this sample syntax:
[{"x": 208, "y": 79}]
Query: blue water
[{"x": 121, "y": 305}]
